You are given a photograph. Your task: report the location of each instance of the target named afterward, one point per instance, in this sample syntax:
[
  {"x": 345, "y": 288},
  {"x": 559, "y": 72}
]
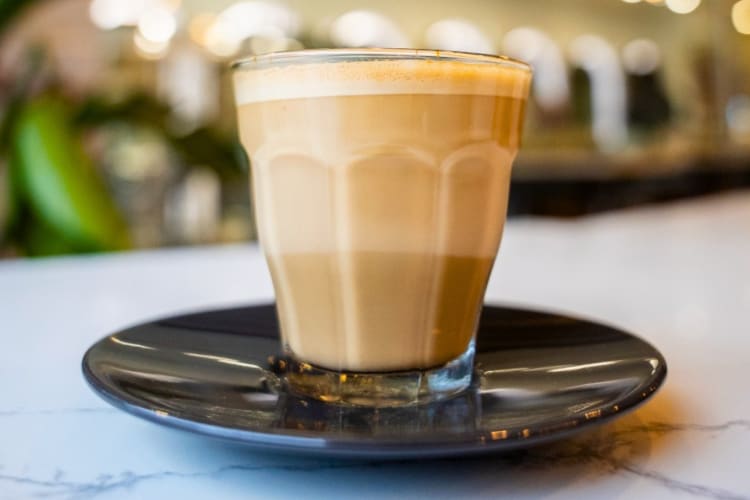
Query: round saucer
[{"x": 538, "y": 377}]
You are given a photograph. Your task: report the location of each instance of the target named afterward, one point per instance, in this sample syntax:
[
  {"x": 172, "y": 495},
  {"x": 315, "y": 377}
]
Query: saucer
[{"x": 538, "y": 377}]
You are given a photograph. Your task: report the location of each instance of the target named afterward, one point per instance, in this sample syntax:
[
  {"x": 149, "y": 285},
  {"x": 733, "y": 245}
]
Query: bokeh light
[
  {"x": 365, "y": 28},
  {"x": 111, "y": 14},
  {"x": 641, "y": 56},
  {"x": 741, "y": 16},
  {"x": 457, "y": 34},
  {"x": 157, "y": 24},
  {"x": 221, "y": 43},
  {"x": 682, "y": 6},
  {"x": 149, "y": 49},
  {"x": 244, "y": 20}
]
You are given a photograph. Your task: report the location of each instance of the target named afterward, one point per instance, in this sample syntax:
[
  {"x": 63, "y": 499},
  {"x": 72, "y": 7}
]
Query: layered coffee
[{"x": 380, "y": 190}]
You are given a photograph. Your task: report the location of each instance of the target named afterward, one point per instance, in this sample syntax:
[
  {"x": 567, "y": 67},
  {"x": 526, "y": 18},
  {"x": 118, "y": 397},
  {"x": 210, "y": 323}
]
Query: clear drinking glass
[{"x": 380, "y": 179}]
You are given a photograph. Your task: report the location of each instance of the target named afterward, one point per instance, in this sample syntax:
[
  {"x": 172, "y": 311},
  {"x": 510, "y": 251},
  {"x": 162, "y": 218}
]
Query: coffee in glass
[{"x": 380, "y": 180}]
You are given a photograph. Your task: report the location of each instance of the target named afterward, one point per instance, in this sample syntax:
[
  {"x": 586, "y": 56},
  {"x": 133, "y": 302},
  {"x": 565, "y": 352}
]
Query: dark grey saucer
[{"x": 538, "y": 377}]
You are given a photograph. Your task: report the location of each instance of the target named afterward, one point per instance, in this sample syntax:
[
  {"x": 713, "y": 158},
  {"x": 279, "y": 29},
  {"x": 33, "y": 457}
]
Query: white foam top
[{"x": 392, "y": 76}]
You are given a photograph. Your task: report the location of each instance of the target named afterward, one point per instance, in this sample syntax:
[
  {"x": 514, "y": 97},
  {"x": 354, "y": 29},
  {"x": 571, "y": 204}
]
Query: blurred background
[{"x": 117, "y": 126}]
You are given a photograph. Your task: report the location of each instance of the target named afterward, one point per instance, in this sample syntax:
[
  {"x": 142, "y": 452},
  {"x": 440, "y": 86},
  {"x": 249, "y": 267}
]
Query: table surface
[{"x": 678, "y": 275}]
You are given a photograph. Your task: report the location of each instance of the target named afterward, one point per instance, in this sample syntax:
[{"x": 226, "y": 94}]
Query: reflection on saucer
[{"x": 459, "y": 415}]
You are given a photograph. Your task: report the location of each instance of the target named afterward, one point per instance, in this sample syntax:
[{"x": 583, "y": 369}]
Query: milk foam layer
[{"x": 415, "y": 76}]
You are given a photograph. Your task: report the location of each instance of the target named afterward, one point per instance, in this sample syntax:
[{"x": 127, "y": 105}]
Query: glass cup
[{"x": 380, "y": 180}]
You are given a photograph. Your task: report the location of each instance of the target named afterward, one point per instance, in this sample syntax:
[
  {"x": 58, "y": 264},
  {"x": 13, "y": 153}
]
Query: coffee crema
[{"x": 380, "y": 190}]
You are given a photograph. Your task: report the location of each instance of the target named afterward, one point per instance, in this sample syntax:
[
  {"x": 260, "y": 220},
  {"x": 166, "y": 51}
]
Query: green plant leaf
[
  {"x": 58, "y": 181},
  {"x": 10, "y": 8}
]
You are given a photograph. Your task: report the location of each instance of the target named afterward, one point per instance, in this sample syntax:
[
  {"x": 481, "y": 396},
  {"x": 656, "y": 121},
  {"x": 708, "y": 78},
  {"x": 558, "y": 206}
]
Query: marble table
[{"x": 678, "y": 275}]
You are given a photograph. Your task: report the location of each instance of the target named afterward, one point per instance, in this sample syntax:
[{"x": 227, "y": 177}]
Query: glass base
[{"x": 387, "y": 389}]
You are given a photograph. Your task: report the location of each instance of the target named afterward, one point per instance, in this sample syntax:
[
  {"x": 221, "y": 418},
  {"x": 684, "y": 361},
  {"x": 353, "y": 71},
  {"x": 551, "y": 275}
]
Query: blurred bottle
[
  {"x": 139, "y": 169},
  {"x": 648, "y": 104},
  {"x": 193, "y": 208}
]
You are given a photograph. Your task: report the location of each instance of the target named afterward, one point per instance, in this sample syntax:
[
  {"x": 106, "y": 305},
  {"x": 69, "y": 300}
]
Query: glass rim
[{"x": 312, "y": 56}]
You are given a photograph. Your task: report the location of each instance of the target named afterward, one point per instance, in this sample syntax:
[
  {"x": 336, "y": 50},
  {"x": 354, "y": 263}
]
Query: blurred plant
[
  {"x": 10, "y": 8},
  {"x": 55, "y": 181},
  {"x": 54, "y": 199},
  {"x": 204, "y": 145}
]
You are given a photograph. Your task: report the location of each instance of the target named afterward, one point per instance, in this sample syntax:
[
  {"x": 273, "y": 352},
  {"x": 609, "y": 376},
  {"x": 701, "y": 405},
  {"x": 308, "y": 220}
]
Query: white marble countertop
[{"x": 678, "y": 275}]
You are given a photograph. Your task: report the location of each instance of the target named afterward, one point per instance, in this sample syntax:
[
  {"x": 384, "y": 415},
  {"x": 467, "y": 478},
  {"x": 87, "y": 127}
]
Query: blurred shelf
[
  {"x": 574, "y": 184},
  {"x": 653, "y": 162}
]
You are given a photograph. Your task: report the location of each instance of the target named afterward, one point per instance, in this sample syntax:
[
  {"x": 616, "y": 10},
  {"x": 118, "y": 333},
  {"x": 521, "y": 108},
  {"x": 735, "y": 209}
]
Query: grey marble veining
[
  {"x": 612, "y": 451},
  {"x": 678, "y": 275}
]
